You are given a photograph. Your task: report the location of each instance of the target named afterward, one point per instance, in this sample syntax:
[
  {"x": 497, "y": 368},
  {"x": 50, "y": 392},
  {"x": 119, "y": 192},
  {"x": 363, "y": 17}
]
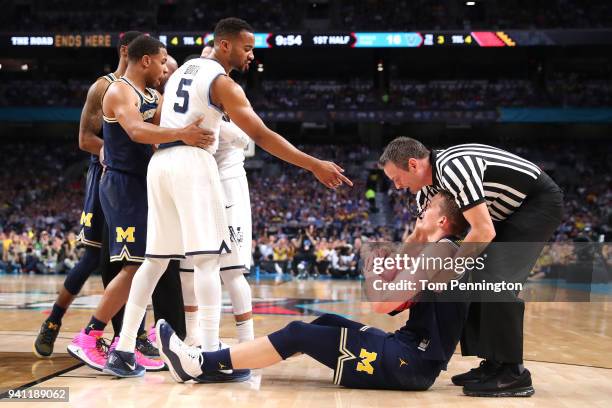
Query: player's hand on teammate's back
[
  {"x": 330, "y": 174},
  {"x": 194, "y": 135}
]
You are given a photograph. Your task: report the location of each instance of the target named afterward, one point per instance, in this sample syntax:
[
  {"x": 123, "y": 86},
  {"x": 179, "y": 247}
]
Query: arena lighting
[
  {"x": 380, "y": 67},
  {"x": 470, "y": 3},
  {"x": 260, "y": 68},
  {"x": 24, "y": 67}
]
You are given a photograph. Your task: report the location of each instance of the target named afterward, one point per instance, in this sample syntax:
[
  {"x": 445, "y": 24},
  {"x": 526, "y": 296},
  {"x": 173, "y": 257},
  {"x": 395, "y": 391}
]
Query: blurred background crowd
[{"x": 299, "y": 226}]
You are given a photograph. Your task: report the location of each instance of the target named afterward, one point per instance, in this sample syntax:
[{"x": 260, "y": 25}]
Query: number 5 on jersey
[{"x": 182, "y": 92}]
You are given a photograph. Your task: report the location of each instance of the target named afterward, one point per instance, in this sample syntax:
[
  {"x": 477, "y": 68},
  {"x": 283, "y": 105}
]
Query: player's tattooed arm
[
  {"x": 90, "y": 125},
  {"x": 229, "y": 95},
  {"x": 121, "y": 103}
]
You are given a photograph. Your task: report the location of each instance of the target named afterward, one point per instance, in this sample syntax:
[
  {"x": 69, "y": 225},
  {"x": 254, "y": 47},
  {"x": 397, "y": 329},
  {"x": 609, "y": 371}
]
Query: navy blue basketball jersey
[
  {"x": 120, "y": 152},
  {"x": 435, "y": 322},
  {"x": 110, "y": 78}
]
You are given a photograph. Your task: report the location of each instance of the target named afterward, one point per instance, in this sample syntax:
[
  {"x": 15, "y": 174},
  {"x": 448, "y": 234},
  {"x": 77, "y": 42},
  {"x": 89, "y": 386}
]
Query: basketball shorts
[
  {"x": 186, "y": 206},
  {"x": 370, "y": 358},
  {"x": 124, "y": 202},
  {"x": 238, "y": 213},
  {"x": 92, "y": 217}
]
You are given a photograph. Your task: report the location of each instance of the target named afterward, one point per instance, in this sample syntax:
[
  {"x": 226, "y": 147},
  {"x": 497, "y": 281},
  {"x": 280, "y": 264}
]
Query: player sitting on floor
[{"x": 361, "y": 356}]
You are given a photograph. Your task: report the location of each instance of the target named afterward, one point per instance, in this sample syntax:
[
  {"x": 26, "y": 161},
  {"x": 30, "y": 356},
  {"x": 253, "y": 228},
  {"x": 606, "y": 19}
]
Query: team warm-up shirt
[{"x": 477, "y": 173}]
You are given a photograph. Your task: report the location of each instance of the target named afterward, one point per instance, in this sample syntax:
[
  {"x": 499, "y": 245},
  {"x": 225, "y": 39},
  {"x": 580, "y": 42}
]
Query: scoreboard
[
  {"x": 357, "y": 39},
  {"x": 415, "y": 39}
]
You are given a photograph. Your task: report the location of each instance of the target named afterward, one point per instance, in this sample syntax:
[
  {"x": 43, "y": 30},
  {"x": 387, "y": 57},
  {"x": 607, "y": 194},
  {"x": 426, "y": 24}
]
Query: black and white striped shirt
[{"x": 476, "y": 173}]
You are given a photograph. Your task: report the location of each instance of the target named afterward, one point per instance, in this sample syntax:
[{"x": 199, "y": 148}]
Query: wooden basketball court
[{"x": 568, "y": 349}]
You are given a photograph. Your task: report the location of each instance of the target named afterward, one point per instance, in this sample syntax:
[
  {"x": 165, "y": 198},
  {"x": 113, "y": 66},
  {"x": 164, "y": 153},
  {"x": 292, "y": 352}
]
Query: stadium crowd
[
  {"x": 352, "y": 15},
  {"x": 299, "y": 226},
  {"x": 560, "y": 91}
]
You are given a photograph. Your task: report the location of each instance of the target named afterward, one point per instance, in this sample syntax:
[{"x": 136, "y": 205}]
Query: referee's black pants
[
  {"x": 167, "y": 297},
  {"x": 494, "y": 329}
]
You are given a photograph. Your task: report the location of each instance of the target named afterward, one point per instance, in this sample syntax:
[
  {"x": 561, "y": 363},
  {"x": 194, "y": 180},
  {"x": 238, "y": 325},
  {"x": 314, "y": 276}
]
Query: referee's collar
[{"x": 432, "y": 161}]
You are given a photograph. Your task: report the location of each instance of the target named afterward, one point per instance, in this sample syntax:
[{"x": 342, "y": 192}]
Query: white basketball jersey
[
  {"x": 187, "y": 97},
  {"x": 230, "y": 154}
]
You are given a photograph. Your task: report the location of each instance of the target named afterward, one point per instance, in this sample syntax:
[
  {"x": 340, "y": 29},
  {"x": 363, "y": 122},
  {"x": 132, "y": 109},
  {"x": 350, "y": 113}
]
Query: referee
[{"x": 505, "y": 198}]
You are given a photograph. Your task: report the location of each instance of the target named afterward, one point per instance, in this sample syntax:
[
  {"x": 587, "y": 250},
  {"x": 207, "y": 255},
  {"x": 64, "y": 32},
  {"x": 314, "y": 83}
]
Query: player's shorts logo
[
  {"x": 86, "y": 219},
  {"x": 367, "y": 359},
  {"x": 125, "y": 234},
  {"x": 236, "y": 235}
]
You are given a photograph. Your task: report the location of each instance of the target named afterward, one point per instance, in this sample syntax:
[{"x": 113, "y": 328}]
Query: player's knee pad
[
  {"x": 187, "y": 286},
  {"x": 239, "y": 291},
  {"x": 82, "y": 270}
]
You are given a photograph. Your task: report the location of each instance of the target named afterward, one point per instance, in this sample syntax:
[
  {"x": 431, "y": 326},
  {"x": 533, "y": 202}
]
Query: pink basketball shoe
[{"x": 89, "y": 348}]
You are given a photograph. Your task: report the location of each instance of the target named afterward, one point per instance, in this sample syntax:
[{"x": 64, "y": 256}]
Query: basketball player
[
  {"x": 361, "y": 356},
  {"x": 230, "y": 161},
  {"x": 92, "y": 218},
  {"x": 130, "y": 112},
  {"x": 186, "y": 210}
]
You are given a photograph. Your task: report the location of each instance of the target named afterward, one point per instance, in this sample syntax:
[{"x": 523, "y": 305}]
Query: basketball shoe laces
[
  {"x": 102, "y": 346},
  {"x": 193, "y": 353},
  {"x": 49, "y": 334}
]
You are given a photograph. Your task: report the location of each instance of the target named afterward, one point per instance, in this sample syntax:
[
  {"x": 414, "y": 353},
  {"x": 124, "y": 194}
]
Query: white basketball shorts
[{"x": 186, "y": 205}]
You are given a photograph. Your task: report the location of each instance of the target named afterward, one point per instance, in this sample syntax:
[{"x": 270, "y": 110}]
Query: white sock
[
  {"x": 245, "y": 331},
  {"x": 209, "y": 320},
  {"x": 143, "y": 284},
  {"x": 208, "y": 292},
  {"x": 194, "y": 334}
]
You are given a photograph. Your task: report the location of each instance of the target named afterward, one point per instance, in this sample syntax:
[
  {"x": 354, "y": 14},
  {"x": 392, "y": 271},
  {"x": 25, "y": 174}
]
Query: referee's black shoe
[
  {"x": 505, "y": 383},
  {"x": 484, "y": 370}
]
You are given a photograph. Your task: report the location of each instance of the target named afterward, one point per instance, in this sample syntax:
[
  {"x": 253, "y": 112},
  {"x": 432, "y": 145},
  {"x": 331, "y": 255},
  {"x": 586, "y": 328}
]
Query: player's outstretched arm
[
  {"x": 121, "y": 103},
  {"x": 90, "y": 125},
  {"x": 231, "y": 97}
]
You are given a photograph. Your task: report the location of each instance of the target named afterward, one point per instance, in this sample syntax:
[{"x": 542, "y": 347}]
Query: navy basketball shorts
[
  {"x": 370, "y": 359},
  {"x": 124, "y": 200},
  {"x": 361, "y": 356},
  {"x": 92, "y": 217}
]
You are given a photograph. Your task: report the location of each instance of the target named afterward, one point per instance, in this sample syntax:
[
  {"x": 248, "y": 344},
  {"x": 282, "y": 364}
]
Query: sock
[
  {"x": 94, "y": 324},
  {"x": 127, "y": 338},
  {"x": 207, "y": 287},
  {"x": 245, "y": 331},
  {"x": 209, "y": 319},
  {"x": 57, "y": 313},
  {"x": 191, "y": 325},
  {"x": 520, "y": 368},
  {"x": 216, "y": 360},
  {"x": 143, "y": 285}
]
